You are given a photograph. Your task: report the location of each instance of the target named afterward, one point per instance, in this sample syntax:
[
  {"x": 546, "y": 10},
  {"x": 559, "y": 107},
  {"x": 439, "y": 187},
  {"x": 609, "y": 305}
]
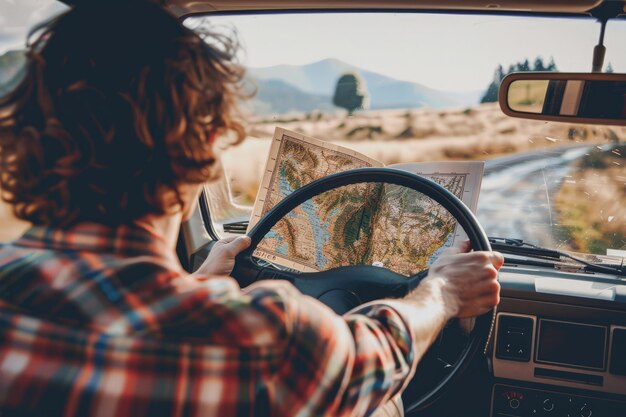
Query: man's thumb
[
  {"x": 461, "y": 247},
  {"x": 238, "y": 245}
]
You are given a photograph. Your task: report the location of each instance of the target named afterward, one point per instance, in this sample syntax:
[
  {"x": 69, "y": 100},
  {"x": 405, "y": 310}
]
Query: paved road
[{"x": 516, "y": 199}]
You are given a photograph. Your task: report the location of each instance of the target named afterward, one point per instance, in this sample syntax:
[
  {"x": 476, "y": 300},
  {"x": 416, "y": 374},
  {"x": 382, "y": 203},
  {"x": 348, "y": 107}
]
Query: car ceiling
[{"x": 538, "y": 7}]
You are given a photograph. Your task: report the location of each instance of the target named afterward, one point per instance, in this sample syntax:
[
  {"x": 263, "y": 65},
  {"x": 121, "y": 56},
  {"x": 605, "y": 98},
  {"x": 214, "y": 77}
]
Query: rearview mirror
[{"x": 594, "y": 98}]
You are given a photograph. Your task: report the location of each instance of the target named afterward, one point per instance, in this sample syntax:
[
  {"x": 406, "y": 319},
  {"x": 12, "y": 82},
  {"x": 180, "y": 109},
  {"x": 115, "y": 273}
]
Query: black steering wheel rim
[{"x": 247, "y": 271}]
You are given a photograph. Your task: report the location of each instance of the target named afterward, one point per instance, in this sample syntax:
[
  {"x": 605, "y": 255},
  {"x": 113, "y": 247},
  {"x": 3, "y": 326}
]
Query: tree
[
  {"x": 539, "y": 64},
  {"x": 609, "y": 68},
  {"x": 350, "y": 93},
  {"x": 499, "y": 75},
  {"x": 523, "y": 66},
  {"x": 491, "y": 95}
]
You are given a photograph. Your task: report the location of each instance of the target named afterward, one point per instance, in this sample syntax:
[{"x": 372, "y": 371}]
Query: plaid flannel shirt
[{"x": 104, "y": 322}]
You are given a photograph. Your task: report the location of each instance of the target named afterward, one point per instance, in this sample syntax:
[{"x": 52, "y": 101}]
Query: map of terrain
[
  {"x": 410, "y": 229},
  {"x": 313, "y": 236},
  {"x": 388, "y": 225}
]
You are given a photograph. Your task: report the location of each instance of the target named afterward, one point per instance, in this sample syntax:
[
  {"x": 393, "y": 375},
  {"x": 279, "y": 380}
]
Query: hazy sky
[{"x": 441, "y": 51}]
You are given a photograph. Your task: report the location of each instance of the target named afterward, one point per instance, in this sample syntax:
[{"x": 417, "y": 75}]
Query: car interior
[{"x": 551, "y": 128}]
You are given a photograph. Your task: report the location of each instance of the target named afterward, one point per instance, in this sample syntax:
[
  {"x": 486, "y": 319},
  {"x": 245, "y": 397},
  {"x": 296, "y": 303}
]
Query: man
[{"x": 104, "y": 147}]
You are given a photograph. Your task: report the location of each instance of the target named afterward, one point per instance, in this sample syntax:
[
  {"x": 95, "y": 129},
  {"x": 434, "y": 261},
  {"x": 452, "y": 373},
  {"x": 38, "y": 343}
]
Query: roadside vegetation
[{"x": 590, "y": 201}]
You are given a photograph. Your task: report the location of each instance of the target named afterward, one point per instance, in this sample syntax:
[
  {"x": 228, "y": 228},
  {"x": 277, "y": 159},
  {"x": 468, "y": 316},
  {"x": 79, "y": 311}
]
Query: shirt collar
[{"x": 126, "y": 240}]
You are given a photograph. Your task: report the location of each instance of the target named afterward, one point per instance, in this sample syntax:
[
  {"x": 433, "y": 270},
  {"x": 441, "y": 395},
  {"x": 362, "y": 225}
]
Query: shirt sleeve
[{"x": 341, "y": 365}]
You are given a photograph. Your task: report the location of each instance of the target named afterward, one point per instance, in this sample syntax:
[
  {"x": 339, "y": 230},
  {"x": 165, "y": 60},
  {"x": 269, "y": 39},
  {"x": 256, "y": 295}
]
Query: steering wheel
[{"x": 346, "y": 287}]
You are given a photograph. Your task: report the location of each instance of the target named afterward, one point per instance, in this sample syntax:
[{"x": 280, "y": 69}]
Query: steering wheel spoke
[{"x": 342, "y": 288}]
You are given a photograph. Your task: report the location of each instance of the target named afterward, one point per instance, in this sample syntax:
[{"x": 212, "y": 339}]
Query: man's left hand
[{"x": 221, "y": 259}]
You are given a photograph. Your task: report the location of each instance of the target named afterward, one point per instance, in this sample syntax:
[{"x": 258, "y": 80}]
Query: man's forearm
[
  {"x": 426, "y": 310},
  {"x": 389, "y": 338}
]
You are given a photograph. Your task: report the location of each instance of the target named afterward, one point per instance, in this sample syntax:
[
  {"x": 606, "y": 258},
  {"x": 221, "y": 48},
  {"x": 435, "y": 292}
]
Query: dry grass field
[
  {"x": 394, "y": 136},
  {"x": 590, "y": 203}
]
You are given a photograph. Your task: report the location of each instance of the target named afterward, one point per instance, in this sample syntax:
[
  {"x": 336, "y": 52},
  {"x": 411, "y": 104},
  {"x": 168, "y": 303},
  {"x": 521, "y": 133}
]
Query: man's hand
[
  {"x": 469, "y": 285},
  {"x": 221, "y": 259}
]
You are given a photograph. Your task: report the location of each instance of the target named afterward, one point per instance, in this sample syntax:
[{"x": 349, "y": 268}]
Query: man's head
[{"x": 116, "y": 116}]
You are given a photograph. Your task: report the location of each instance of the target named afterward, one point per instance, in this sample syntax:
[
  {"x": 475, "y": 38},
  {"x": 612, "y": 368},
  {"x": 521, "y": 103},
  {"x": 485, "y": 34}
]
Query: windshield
[{"x": 428, "y": 85}]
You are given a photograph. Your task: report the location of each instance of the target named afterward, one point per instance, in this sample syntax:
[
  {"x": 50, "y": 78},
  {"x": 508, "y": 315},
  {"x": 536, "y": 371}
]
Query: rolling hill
[
  {"x": 319, "y": 79},
  {"x": 277, "y": 97}
]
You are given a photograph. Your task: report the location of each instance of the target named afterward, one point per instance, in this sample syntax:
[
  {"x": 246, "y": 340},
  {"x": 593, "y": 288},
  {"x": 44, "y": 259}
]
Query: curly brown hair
[{"x": 117, "y": 112}]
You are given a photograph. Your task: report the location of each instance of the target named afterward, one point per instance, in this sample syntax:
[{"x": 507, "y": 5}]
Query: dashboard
[{"x": 559, "y": 345}]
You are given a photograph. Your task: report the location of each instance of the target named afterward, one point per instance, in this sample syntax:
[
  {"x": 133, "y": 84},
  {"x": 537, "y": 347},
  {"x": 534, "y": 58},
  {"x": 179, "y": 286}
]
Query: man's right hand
[{"x": 469, "y": 284}]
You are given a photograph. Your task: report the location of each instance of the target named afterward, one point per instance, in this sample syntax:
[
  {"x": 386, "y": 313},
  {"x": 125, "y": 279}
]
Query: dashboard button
[
  {"x": 548, "y": 405},
  {"x": 514, "y": 338},
  {"x": 511, "y": 402},
  {"x": 586, "y": 411}
]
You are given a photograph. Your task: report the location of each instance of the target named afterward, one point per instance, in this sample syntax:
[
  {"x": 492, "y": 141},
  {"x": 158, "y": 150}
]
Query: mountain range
[{"x": 314, "y": 83}]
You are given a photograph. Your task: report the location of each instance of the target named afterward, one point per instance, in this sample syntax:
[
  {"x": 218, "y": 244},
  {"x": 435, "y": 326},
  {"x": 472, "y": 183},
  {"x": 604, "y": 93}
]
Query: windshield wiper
[
  {"x": 521, "y": 248},
  {"x": 540, "y": 256}
]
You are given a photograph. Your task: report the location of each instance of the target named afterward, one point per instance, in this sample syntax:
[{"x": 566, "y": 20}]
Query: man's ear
[{"x": 191, "y": 194}]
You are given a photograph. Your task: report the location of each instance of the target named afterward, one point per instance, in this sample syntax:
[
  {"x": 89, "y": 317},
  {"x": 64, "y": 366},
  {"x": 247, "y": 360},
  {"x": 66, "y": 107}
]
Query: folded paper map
[{"x": 371, "y": 223}]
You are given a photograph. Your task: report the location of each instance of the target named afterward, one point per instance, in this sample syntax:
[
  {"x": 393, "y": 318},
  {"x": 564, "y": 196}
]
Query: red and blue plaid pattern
[{"x": 104, "y": 322}]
